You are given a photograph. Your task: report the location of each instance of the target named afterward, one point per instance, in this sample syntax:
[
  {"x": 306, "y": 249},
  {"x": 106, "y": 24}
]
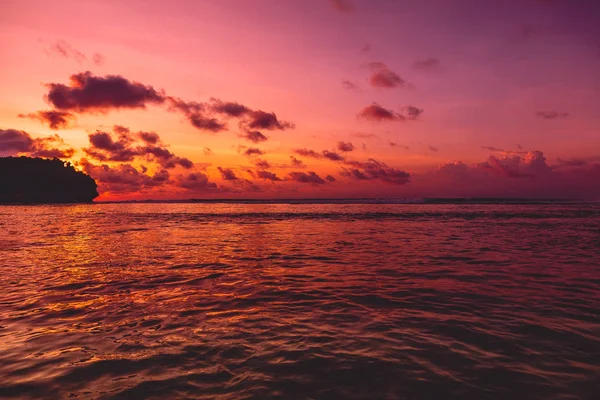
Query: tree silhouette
[{"x": 38, "y": 180}]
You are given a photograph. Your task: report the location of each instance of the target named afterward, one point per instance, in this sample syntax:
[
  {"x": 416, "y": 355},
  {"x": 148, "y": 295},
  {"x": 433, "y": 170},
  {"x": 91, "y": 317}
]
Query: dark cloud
[
  {"x": 54, "y": 119},
  {"x": 149, "y": 137},
  {"x": 333, "y": 156},
  {"x": 262, "y": 164},
  {"x": 413, "y": 112},
  {"x": 266, "y": 175},
  {"x": 330, "y": 178},
  {"x": 383, "y": 77},
  {"x": 432, "y": 148},
  {"x": 305, "y": 177},
  {"x": 375, "y": 170},
  {"x": 14, "y": 142},
  {"x": 531, "y": 164},
  {"x": 349, "y": 85},
  {"x": 263, "y": 120},
  {"x": 122, "y": 178},
  {"x": 195, "y": 181},
  {"x": 89, "y": 93},
  {"x": 344, "y": 6},
  {"x": 229, "y": 108},
  {"x": 227, "y": 174},
  {"x": 427, "y": 64},
  {"x": 307, "y": 153},
  {"x": 253, "y": 151},
  {"x": 551, "y": 114},
  {"x": 375, "y": 112},
  {"x": 207, "y": 151},
  {"x": 366, "y": 48},
  {"x": 124, "y": 146},
  {"x": 296, "y": 163},
  {"x": 255, "y": 136},
  {"x": 345, "y": 146}
]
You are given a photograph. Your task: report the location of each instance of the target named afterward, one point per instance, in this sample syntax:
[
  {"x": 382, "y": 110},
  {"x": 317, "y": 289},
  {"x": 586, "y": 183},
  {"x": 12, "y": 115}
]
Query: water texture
[{"x": 352, "y": 301}]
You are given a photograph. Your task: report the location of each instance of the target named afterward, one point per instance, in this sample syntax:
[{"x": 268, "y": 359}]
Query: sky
[{"x": 307, "y": 98}]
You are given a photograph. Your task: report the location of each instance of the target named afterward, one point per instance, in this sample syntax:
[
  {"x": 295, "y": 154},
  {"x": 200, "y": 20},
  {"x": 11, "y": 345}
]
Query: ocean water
[{"x": 300, "y": 301}]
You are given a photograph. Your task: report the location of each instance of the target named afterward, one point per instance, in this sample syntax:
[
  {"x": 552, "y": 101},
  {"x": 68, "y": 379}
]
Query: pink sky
[{"x": 438, "y": 98}]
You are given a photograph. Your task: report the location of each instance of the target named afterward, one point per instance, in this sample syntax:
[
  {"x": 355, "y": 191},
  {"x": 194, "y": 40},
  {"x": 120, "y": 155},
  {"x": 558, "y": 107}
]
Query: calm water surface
[{"x": 300, "y": 301}]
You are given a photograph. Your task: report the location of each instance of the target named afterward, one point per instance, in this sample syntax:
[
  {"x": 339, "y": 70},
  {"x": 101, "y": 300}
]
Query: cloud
[
  {"x": 255, "y": 136},
  {"x": 149, "y": 137},
  {"x": 195, "y": 181},
  {"x": 229, "y": 108},
  {"x": 413, "y": 112},
  {"x": 427, "y": 64},
  {"x": 432, "y": 148},
  {"x": 531, "y": 164},
  {"x": 266, "y": 175},
  {"x": 264, "y": 120},
  {"x": 349, "y": 85},
  {"x": 330, "y": 178},
  {"x": 306, "y": 177},
  {"x": 124, "y": 146},
  {"x": 262, "y": 164},
  {"x": 345, "y": 146},
  {"x": 333, "y": 156},
  {"x": 344, "y": 6},
  {"x": 89, "y": 93},
  {"x": 123, "y": 178},
  {"x": 296, "y": 163},
  {"x": 383, "y": 77},
  {"x": 366, "y": 48},
  {"x": 54, "y": 119},
  {"x": 13, "y": 142},
  {"x": 64, "y": 49},
  {"x": 375, "y": 170},
  {"x": 375, "y": 112},
  {"x": 207, "y": 151},
  {"x": 253, "y": 151},
  {"x": 98, "y": 59},
  {"x": 227, "y": 174},
  {"x": 551, "y": 114},
  {"x": 307, "y": 153}
]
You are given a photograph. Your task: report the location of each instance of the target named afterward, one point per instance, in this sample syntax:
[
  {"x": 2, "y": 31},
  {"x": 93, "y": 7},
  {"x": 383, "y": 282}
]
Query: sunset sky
[{"x": 308, "y": 98}]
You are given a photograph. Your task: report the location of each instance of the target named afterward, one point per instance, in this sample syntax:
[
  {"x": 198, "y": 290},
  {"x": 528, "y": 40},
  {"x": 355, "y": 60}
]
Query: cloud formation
[
  {"x": 124, "y": 146},
  {"x": 377, "y": 113},
  {"x": 14, "y": 142},
  {"x": 345, "y": 146},
  {"x": 383, "y": 77},
  {"x": 89, "y": 93},
  {"x": 376, "y": 170},
  {"x": 306, "y": 177},
  {"x": 54, "y": 119}
]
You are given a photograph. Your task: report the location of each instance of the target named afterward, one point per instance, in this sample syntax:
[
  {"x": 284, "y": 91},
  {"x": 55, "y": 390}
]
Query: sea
[{"x": 299, "y": 300}]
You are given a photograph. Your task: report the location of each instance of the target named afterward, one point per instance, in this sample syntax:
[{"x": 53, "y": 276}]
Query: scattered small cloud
[{"x": 54, "y": 119}]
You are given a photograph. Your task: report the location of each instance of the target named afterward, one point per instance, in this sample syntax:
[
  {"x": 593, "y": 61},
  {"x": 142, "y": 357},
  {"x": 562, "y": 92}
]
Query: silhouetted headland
[{"x": 26, "y": 180}]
